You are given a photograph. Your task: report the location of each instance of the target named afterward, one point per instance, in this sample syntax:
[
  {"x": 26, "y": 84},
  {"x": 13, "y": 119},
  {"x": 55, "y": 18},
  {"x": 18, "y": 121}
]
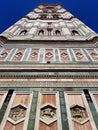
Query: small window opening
[
  {"x": 57, "y": 33},
  {"x": 88, "y": 97},
  {"x": 48, "y": 62},
  {"x": 55, "y": 16},
  {"x": 75, "y": 33},
  {"x": 23, "y": 32},
  {"x": 41, "y": 32}
]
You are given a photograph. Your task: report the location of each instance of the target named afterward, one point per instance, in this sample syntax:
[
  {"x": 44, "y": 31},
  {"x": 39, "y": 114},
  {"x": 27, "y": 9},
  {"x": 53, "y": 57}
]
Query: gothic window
[
  {"x": 75, "y": 33},
  {"x": 57, "y": 33},
  {"x": 41, "y": 32},
  {"x": 43, "y": 16},
  {"x": 55, "y": 16},
  {"x": 23, "y": 32}
]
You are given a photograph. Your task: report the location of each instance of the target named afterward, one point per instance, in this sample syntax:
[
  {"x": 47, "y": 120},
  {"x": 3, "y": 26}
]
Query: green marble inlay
[
  {"x": 41, "y": 54},
  {"x": 26, "y": 54},
  {"x": 63, "y": 112},
  {"x": 56, "y": 55},
  {"x": 11, "y": 54},
  {"x": 72, "y": 56},
  {"x": 33, "y": 111}
]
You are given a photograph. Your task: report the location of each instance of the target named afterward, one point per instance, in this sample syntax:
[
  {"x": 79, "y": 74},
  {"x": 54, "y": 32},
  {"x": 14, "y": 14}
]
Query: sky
[{"x": 12, "y": 10}]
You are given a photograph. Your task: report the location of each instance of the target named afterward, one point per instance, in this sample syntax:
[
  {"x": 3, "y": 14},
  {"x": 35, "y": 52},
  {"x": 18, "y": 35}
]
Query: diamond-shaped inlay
[
  {"x": 18, "y": 54},
  {"x": 64, "y": 54},
  {"x": 79, "y": 54},
  {"x": 49, "y": 54},
  {"x": 4, "y": 54},
  {"x": 17, "y": 114},
  {"x": 34, "y": 54},
  {"x": 79, "y": 114},
  {"x": 94, "y": 54},
  {"x": 48, "y": 114}
]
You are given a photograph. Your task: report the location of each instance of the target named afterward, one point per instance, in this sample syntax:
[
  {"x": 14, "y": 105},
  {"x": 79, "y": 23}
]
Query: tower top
[{"x": 48, "y": 22}]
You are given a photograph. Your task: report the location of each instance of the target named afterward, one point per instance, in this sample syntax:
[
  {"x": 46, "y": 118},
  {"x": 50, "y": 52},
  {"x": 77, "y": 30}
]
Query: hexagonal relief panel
[
  {"x": 79, "y": 114},
  {"x": 48, "y": 114},
  {"x": 17, "y": 114}
]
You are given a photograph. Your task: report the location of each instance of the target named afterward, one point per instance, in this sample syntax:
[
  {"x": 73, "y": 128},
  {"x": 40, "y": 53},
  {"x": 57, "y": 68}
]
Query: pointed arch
[
  {"x": 23, "y": 32},
  {"x": 75, "y": 33}
]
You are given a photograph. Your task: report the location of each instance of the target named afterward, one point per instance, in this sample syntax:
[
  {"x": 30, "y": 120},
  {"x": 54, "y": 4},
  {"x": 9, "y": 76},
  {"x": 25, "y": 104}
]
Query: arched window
[
  {"x": 57, "y": 33},
  {"x": 55, "y": 16},
  {"x": 23, "y": 32},
  {"x": 75, "y": 33},
  {"x": 43, "y": 16},
  {"x": 41, "y": 32}
]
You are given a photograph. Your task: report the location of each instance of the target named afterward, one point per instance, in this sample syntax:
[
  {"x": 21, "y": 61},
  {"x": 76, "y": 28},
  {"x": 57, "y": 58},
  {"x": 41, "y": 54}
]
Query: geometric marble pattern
[{"x": 62, "y": 54}]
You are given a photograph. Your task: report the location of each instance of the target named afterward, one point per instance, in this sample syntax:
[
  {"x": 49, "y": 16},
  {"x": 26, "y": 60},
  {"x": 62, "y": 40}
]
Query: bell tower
[{"x": 49, "y": 72}]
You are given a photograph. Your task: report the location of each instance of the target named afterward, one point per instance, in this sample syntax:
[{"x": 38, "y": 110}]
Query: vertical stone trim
[
  {"x": 32, "y": 116},
  {"x": 94, "y": 106},
  {"x": 64, "y": 116},
  {"x": 42, "y": 55}
]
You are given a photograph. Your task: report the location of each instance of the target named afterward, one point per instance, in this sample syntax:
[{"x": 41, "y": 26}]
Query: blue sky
[{"x": 12, "y": 10}]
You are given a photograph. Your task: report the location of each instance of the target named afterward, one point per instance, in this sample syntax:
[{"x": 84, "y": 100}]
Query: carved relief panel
[
  {"x": 17, "y": 113},
  {"x": 78, "y": 112},
  {"x": 48, "y": 112}
]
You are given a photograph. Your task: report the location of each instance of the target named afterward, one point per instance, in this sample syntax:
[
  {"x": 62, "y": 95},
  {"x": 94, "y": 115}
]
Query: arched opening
[
  {"x": 57, "y": 33},
  {"x": 75, "y": 33},
  {"x": 23, "y": 32},
  {"x": 41, "y": 32},
  {"x": 43, "y": 16},
  {"x": 55, "y": 16}
]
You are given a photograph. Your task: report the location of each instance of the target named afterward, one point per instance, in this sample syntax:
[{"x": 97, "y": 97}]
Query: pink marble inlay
[
  {"x": 64, "y": 55},
  {"x": 18, "y": 55},
  {"x": 93, "y": 54},
  {"x": 49, "y": 55},
  {"x": 33, "y": 55},
  {"x": 4, "y": 54},
  {"x": 79, "y": 56}
]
